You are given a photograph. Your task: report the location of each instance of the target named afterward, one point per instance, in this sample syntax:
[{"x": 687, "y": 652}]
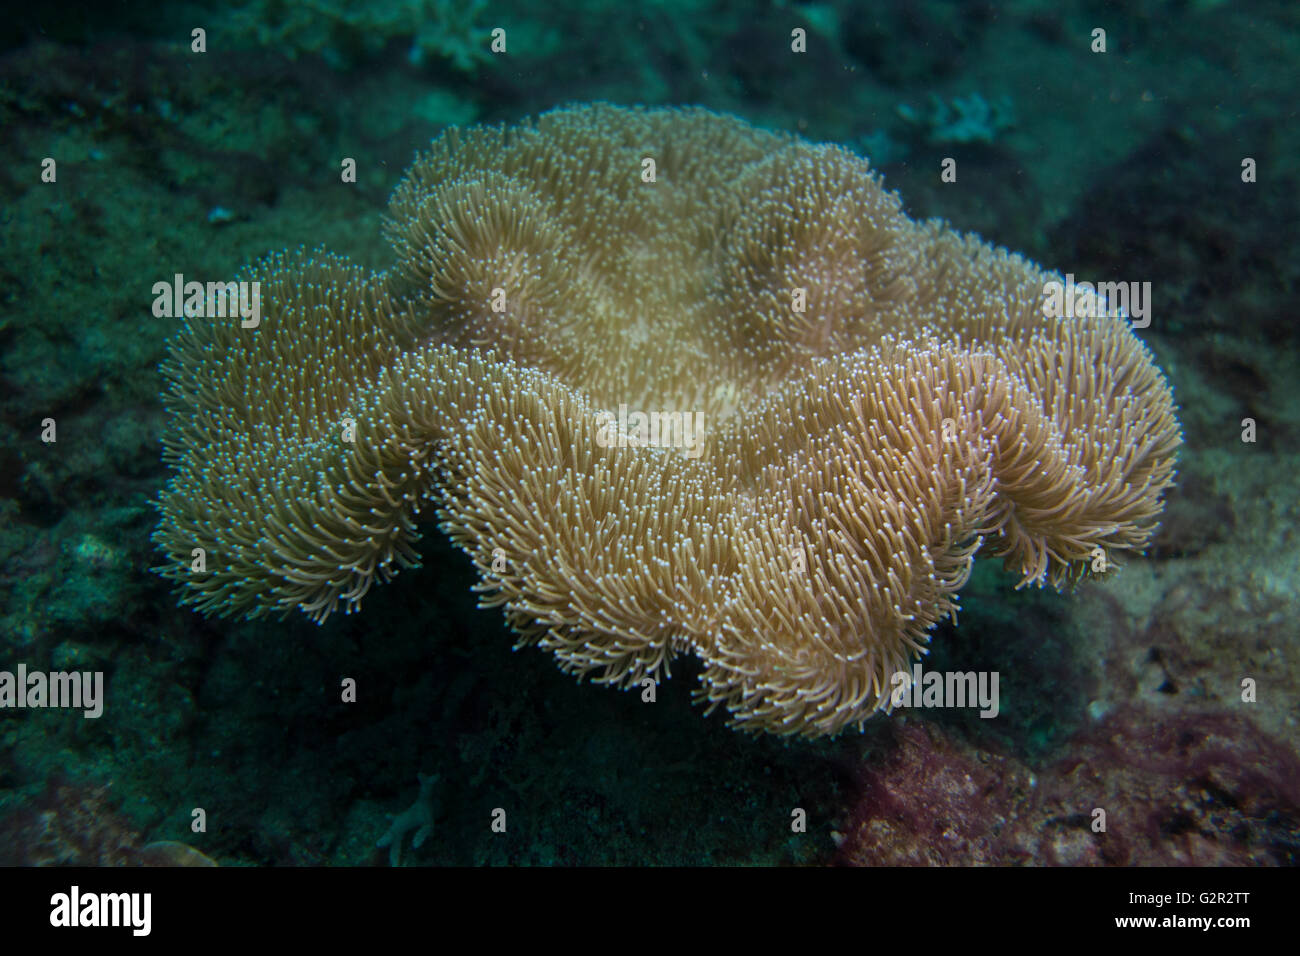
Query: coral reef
[{"x": 1125, "y": 165}]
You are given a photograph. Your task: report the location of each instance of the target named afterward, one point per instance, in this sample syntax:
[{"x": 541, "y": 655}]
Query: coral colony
[{"x": 866, "y": 402}]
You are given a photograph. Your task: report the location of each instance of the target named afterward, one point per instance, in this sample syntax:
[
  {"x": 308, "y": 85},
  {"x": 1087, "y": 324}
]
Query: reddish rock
[
  {"x": 77, "y": 825},
  {"x": 1176, "y": 789}
]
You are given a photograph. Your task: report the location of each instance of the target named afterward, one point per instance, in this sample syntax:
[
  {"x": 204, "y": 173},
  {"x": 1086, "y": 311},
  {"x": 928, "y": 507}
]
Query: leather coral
[{"x": 880, "y": 400}]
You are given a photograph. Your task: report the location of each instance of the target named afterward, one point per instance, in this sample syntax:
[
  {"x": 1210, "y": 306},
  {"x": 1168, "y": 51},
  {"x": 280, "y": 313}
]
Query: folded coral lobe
[{"x": 675, "y": 385}]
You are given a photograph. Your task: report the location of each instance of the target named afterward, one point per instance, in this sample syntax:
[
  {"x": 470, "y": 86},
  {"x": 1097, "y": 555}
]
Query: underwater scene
[{"x": 687, "y": 433}]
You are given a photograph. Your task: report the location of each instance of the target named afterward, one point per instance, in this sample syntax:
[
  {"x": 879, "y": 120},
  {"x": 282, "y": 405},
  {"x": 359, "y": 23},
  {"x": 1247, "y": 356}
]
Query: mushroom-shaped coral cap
[{"x": 675, "y": 385}]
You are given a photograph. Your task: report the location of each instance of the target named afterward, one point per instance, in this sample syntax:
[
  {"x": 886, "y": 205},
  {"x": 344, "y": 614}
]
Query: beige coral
[{"x": 857, "y": 454}]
